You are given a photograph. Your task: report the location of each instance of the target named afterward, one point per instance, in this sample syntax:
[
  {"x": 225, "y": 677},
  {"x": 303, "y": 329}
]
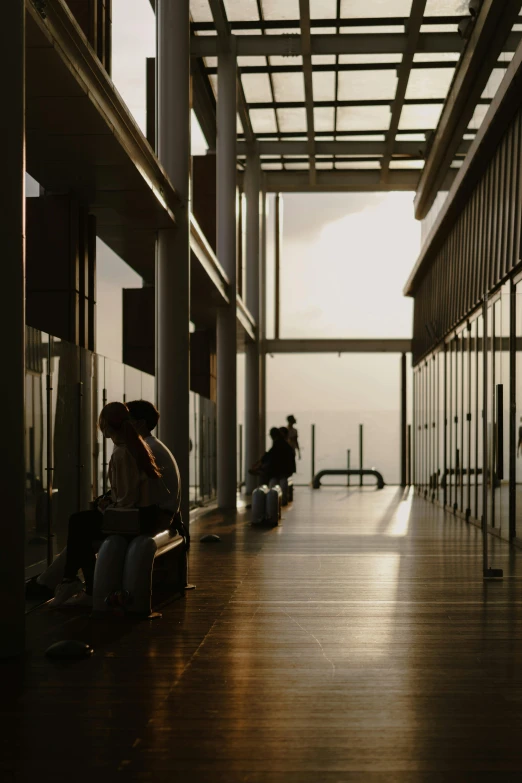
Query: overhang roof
[{"x": 369, "y": 80}]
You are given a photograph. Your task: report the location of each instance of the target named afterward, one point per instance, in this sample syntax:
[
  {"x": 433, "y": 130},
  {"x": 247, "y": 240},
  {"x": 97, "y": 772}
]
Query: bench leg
[
  {"x": 137, "y": 574},
  {"x": 109, "y": 571}
]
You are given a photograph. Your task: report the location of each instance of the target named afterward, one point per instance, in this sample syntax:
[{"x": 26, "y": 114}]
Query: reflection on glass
[
  {"x": 65, "y": 371},
  {"x": 37, "y": 474}
]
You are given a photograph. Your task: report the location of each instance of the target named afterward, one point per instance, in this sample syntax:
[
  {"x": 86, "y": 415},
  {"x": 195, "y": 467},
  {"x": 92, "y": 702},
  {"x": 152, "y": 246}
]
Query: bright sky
[{"x": 345, "y": 260}]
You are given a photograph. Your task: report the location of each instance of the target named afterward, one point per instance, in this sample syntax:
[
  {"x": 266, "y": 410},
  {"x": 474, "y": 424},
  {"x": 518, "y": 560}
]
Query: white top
[
  {"x": 170, "y": 474},
  {"x": 130, "y": 487}
]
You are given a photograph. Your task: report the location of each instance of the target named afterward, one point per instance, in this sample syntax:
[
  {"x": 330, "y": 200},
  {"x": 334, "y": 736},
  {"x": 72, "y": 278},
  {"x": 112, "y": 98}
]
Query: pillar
[
  {"x": 12, "y": 325},
  {"x": 252, "y": 349},
  {"x": 262, "y": 325},
  {"x": 404, "y": 416},
  {"x": 226, "y": 252},
  {"x": 173, "y": 250}
]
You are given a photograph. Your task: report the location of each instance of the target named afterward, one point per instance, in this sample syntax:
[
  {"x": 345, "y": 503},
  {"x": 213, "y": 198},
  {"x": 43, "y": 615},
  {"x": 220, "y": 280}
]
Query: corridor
[{"x": 356, "y": 641}]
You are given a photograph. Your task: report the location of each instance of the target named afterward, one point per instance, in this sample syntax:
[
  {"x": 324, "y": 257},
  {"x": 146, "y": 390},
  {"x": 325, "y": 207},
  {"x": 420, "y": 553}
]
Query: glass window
[{"x": 37, "y": 473}]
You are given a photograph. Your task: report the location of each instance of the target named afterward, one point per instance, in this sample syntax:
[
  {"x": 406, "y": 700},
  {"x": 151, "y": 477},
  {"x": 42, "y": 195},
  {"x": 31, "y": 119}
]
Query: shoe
[
  {"x": 80, "y": 599},
  {"x": 64, "y": 591}
]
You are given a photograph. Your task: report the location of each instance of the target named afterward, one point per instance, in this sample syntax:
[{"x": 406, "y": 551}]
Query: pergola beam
[
  {"x": 287, "y": 24},
  {"x": 378, "y": 345},
  {"x": 306, "y": 51},
  {"x": 488, "y": 39},
  {"x": 406, "y": 148},
  {"x": 403, "y": 76},
  {"x": 219, "y": 15},
  {"x": 353, "y": 103},
  {"x": 349, "y": 181},
  {"x": 344, "y": 43}
]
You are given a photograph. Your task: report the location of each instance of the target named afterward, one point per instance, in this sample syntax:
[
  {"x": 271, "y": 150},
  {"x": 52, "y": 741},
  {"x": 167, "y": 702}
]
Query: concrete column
[
  {"x": 252, "y": 358},
  {"x": 262, "y": 324},
  {"x": 226, "y": 253},
  {"x": 173, "y": 251},
  {"x": 12, "y": 325}
]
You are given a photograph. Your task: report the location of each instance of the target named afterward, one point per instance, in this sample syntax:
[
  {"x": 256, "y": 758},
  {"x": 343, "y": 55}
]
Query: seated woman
[{"x": 135, "y": 481}]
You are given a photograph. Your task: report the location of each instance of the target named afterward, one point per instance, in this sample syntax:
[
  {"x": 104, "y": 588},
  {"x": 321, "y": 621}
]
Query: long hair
[{"x": 116, "y": 416}]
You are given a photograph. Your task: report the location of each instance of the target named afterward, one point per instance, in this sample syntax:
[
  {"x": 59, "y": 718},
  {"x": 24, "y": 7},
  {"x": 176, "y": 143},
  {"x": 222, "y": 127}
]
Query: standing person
[
  {"x": 135, "y": 480},
  {"x": 145, "y": 417},
  {"x": 292, "y": 435}
]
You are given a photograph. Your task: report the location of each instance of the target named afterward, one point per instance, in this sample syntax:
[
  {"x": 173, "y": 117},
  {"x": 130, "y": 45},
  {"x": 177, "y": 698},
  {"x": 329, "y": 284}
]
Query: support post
[
  {"x": 404, "y": 403},
  {"x": 226, "y": 247},
  {"x": 277, "y": 262},
  {"x": 348, "y": 467},
  {"x": 240, "y": 467},
  {"x": 262, "y": 326},
  {"x": 173, "y": 251},
  {"x": 12, "y": 323},
  {"x": 409, "y": 456},
  {"x": 252, "y": 349},
  {"x": 361, "y": 454},
  {"x": 313, "y": 452}
]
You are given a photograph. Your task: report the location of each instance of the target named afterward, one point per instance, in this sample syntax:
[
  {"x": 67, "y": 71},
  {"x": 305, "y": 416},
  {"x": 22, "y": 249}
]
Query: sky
[{"x": 345, "y": 259}]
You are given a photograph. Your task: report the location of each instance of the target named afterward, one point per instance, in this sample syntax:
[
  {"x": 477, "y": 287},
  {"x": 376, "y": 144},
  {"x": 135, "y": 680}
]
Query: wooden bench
[{"x": 129, "y": 565}]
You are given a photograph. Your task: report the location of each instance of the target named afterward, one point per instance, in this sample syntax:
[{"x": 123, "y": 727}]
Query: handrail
[{"x": 316, "y": 482}]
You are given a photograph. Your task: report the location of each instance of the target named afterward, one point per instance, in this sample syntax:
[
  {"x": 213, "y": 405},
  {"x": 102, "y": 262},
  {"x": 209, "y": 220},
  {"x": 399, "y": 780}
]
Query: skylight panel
[
  {"x": 297, "y": 166},
  {"x": 366, "y": 137},
  {"x": 324, "y": 119},
  {"x": 373, "y": 30},
  {"x": 241, "y": 10},
  {"x": 494, "y": 81},
  {"x": 276, "y": 9},
  {"x": 411, "y": 137},
  {"x": 323, "y": 85},
  {"x": 439, "y": 28},
  {"x": 360, "y": 9},
  {"x": 446, "y": 8},
  {"x": 323, "y": 9},
  {"x": 263, "y": 120},
  {"x": 357, "y": 164},
  {"x": 289, "y": 87},
  {"x": 200, "y": 11},
  {"x": 323, "y": 59},
  {"x": 363, "y": 118},
  {"x": 367, "y": 85},
  {"x": 420, "y": 116},
  {"x": 478, "y": 116},
  {"x": 429, "y": 83},
  {"x": 431, "y": 57},
  {"x": 245, "y": 60},
  {"x": 257, "y": 87},
  {"x": 357, "y": 59},
  {"x": 406, "y": 164},
  {"x": 291, "y": 120}
]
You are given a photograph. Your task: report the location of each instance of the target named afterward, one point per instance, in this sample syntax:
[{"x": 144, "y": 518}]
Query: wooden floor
[{"x": 356, "y": 642}]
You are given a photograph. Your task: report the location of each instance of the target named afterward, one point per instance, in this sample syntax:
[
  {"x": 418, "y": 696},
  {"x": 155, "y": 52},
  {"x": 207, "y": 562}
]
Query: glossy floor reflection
[{"x": 357, "y": 641}]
